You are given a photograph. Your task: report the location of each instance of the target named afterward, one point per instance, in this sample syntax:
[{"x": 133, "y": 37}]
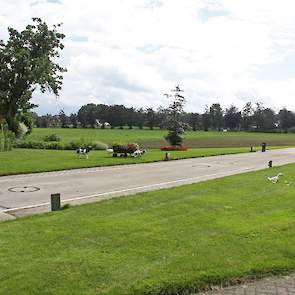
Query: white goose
[{"x": 275, "y": 179}]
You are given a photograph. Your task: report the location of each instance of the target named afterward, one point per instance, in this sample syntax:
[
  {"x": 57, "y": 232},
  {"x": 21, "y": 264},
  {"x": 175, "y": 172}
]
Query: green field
[
  {"x": 155, "y": 138},
  {"x": 26, "y": 160},
  {"x": 163, "y": 242},
  {"x": 200, "y": 144}
]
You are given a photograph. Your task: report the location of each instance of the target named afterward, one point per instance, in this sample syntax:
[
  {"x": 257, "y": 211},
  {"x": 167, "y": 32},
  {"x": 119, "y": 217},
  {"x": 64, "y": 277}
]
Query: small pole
[
  {"x": 252, "y": 149},
  {"x": 263, "y": 147},
  {"x": 2, "y": 129},
  {"x": 55, "y": 202},
  {"x": 167, "y": 156}
]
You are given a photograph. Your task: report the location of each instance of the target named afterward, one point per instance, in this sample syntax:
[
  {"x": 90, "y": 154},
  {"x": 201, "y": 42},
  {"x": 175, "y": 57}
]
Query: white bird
[{"x": 275, "y": 179}]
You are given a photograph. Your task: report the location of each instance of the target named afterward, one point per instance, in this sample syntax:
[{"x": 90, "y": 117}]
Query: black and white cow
[
  {"x": 83, "y": 151},
  {"x": 138, "y": 153}
]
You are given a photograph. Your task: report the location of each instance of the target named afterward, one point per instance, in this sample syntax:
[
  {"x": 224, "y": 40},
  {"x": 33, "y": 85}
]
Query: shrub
[
  {"x": 174, "y": 138},
  {"x": 31, "y": 144},
  {"x": 55, "y": 145},
  {"x": 22, "y": 130},
  {"x": 174, "y": 148},
  {"x": 51, "y": 137},
  {"x": 75, "y": 144},
  {"x": 7, "y": 142}
]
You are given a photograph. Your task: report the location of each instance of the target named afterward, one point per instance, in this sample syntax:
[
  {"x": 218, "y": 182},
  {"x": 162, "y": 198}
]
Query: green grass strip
[
  {"x": 172, "y": 241},
  {"x": 21, "y": 161}
]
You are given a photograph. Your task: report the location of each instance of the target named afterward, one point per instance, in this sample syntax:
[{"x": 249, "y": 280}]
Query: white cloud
[{"x": 132, "y": 52}]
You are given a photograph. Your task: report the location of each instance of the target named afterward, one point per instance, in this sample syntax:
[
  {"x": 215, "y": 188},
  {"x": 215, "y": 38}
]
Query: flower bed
[{"x": 174, "y": 148}]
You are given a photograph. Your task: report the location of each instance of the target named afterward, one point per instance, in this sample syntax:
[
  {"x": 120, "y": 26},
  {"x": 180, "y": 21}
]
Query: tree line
[{"x": 252, "y": 117}]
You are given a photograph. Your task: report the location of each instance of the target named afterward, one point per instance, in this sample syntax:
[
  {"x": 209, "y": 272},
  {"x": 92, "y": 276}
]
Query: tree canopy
[{"x": 27, "y": 60}]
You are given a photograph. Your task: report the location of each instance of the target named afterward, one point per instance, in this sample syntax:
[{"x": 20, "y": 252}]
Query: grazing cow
[
  {"x": 83, "y": 151},
  {"x": 138, "y": 153}
]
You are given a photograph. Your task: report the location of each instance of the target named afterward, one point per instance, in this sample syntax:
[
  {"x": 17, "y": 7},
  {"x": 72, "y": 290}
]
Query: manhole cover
[{"x": 24, "y": 189}]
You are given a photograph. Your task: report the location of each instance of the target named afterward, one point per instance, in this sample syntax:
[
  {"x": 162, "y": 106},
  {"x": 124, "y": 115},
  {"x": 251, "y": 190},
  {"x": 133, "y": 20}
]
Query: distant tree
[
  {"x": 216, "y": 116},
  {"x": 139, "y": 118},
  {"x": 194, "y": 121},
  {"x": 258, "y": 117},
  {"x": 87, "y": 115},
  {"x": 206, "y": 119},
  {"x": 232, "y": 118},
  {"x": 38, "y": 121},
  {"x": 151, "y": 118},
  {"x": 162, "y": 117},
  {"x": 129, "y": 117},
  {"x": 286, "y": 119},
  {"x": 269, "y": 119},
  {"x": 174, "y": 123},
  {"x": 247, "y": 113},
  {"x": 82, "y": 116},
  {"x": 117, "y": 115},
  {"x": 27, "y": 60},
  {"x": 63, "y": 119},
  {"x": 74, "y": 120}
]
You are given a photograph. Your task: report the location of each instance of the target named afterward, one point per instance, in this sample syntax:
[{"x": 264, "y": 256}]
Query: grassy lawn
[
  {"x": 155, "y": 138},
  {"x": 26, "y": 160},
  {"x": 163, "y": 242}
]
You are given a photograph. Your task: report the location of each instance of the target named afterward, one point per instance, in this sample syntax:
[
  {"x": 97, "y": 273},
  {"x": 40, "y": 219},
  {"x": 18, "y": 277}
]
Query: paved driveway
[
  {"x": 88, "y": 185},
  {"x": 270, "y": 286}
]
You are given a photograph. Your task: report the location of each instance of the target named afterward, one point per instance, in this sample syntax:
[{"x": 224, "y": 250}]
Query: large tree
[
  {"x": 174, "y": 123},
  {"x": 28, "y": 60}
]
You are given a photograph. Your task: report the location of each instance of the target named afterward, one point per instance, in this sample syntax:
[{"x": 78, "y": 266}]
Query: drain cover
[{"x": 24, "y": 189}]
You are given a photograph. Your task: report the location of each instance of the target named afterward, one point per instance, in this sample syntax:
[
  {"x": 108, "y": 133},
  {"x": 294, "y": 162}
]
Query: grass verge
[
  {"x": 172, "y": 241},
  {"x": 21, "y": 161}
]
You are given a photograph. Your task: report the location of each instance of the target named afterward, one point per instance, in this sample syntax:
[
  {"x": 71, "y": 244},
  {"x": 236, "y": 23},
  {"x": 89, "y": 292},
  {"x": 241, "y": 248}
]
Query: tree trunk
[{"x": 11, "y": 122}]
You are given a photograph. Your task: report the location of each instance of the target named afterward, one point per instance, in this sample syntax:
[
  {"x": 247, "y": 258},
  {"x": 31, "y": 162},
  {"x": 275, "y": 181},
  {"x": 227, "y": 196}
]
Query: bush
[
  {"x": 31, "y": 144},
  {"x": 55, "y": 145},
  {"x": 174, "y": 148},
  {"x": 7, "y": 142},
  {"x": 174, "y": 138},
  {"x": 22, "y": 130},
  {"x": 51, "y": 137},
  {"x": 75, "y": 144}
]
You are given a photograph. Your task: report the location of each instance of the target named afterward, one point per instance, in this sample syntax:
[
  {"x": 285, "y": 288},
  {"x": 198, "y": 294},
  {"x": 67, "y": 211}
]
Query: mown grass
[
  {"x": 26, "y": 160},
  {"x": 172, "y": 241},
  {"x": 155, "y": 138}
]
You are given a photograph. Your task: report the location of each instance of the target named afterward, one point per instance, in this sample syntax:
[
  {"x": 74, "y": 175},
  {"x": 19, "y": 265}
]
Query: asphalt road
[{"x": 30, "y": 193}]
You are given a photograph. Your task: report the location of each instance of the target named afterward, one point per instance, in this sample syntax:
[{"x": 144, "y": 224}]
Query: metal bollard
[
  {"x": 55, "y": 202},
  {"x": 167, "y": 156}
]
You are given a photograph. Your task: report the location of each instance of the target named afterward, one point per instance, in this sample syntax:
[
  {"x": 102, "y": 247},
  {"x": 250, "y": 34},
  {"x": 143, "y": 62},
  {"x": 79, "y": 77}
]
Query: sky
[{"x": 131, "y": 52}]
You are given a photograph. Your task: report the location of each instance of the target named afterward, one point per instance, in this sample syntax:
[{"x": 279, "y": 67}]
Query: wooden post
[
  {"x": 55, "y": 202},
  {"x": 2, "y": 129}
]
